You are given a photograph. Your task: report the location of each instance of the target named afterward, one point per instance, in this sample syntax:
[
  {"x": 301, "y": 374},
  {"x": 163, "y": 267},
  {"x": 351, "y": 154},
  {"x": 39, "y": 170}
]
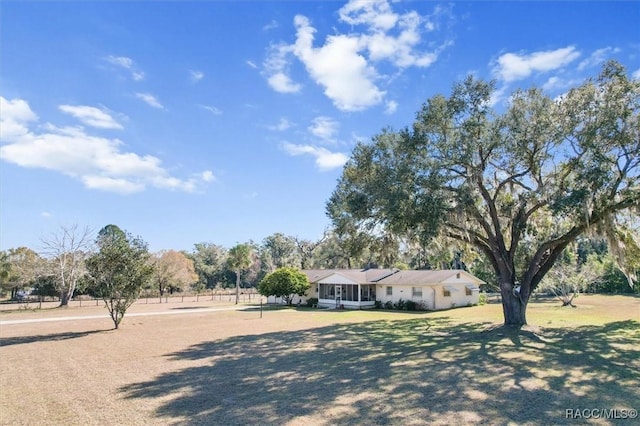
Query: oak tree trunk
[{"x": 514, "y": 306}]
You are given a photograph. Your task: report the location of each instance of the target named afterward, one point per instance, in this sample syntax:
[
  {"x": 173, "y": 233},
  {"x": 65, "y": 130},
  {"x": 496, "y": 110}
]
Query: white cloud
[
  {"x": 213, "y": 110},
  {"x": 270, "y": 26},
  {"x": 251, "y": 64},
  {"x": 555, "y": 83},
  {"x": 207, "y": 176},
  {"x": 281, "y": 82},
  {"x": 196, "y": 76},
  {"x": 391, "y": 108},
  {"x": 276, "y": 68},
  {"x": 91, "y": 116},
  {"x": 324, "y": 127},
  {"x": 98, "y": 162},
  {"x": 598, "y": 57},
  {"x": 345, "y": 65},
  {"x": 347, "y": 77},
  {"x": 150, "y": 100},
  {"x": 15, "y": 117},
  {"x": 374, "y": 13},
  {"x": 325, "y": 159},
  {"x": 552, "y": 83},
  {"x": 45, "y": 214},
  {"x": 128, "y": 64},
  {"x": 512, "y": 66},
  {"x": 283, "y": 124}
]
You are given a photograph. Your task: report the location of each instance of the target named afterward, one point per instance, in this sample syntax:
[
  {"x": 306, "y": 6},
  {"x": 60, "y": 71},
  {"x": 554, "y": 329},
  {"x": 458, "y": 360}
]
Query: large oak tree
[{"x": 486, "y": 177}]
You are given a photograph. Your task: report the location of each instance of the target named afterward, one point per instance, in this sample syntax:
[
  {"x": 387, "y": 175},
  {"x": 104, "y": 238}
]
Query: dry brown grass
[{"x": 317, "y": 367}]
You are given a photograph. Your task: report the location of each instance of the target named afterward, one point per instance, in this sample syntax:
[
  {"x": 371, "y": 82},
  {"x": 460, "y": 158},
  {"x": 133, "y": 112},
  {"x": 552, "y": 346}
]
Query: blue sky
[{"x": 225, "y": 121}]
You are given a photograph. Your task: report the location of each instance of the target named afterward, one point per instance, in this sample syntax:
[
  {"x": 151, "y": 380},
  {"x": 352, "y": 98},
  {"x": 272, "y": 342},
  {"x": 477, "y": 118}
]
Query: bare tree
[
  {"x": 306, "y": 249},
  {"x": 66, "y": 251}
]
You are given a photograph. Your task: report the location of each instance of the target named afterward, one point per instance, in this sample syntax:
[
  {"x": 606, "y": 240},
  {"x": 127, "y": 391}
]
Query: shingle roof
[
  {"x": 390, "y": 276},
  {"x": 356, "y": 275}
]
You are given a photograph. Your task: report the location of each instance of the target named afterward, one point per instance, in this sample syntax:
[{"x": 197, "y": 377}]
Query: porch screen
[
  {"x": 327, "y": 291},
  {"x": 349, "y": 292}
]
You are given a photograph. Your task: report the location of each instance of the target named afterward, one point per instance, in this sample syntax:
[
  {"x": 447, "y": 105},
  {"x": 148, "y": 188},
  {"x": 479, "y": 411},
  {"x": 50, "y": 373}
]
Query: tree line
[{"x": 586, "y": 266}]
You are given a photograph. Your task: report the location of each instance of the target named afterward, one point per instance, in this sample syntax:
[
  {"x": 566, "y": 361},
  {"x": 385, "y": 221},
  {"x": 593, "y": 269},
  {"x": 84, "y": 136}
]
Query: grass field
[{"x": 313, "y": 367}]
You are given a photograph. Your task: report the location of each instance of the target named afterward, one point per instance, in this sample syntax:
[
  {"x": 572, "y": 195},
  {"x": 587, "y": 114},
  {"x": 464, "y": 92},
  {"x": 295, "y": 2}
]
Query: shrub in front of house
[
  {"x": 312, "y": 301},
  {"x": 400, "y": 304},
  {"x": 410, "y": 305},
  {"x": 388, "y": 304}
]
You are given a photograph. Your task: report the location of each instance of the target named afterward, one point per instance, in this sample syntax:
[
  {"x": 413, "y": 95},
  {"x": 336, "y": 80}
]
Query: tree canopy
[
  {"x": 284, "y": 282},
  {"x": 533, "y": 176},
  {"x": 119, "y": 270},
  {"x": 172, "y": 271}
]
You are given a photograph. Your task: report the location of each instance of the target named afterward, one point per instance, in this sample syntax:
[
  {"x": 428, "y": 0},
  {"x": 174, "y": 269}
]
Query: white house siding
[
  {"x": 405, "y": 292},
  {"x": 457, "y": 295},
  {"x": 433, "y": 296}
]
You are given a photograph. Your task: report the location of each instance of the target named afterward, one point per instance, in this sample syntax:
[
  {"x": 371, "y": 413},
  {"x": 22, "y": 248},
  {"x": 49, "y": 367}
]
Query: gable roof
[
  {"x": 393, "y": 276},
  {"x": 362, "y": 276},
  {"x": 449, "y": 276}
]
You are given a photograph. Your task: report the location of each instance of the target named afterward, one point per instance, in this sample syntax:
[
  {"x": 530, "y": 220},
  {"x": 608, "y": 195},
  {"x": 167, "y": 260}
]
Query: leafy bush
[
  {"x": 388, "y": 304},
  {"x": 312, "y": 301},
  {"x": 400, "y": 304},
  {"x": 377, "y": 304},
  {"x": 482, "y": 300},
  {"x": 410, "y": 305},
  {"x": 421, "y": 306}
]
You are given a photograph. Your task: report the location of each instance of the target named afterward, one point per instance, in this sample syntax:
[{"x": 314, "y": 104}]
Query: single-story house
[{"x": 361, "y": 288}]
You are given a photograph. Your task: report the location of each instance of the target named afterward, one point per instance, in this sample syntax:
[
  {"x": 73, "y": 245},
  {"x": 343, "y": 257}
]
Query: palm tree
[{"x": 239, "y": 259}]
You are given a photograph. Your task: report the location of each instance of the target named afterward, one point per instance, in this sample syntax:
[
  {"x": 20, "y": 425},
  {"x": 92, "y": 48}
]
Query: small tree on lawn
[
  {"x": 119, "y": 270},
  {"x": 285, "y": 283},
  {"x": 568, "y": 278}
]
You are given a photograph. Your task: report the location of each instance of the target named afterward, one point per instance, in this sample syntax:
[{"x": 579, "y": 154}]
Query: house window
[
  {"x": 416, "y": 291},
  {"x": 389, "y": 291},
  {"x": 468, "y": 291},
  {"x": 447, "y": 292}
]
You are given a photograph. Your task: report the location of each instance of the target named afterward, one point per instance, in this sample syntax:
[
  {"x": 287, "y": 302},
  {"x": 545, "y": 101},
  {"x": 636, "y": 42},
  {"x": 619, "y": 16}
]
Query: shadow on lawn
[
  {"x": 396, "y": 372},
  {"x": 20, "y": 340}
]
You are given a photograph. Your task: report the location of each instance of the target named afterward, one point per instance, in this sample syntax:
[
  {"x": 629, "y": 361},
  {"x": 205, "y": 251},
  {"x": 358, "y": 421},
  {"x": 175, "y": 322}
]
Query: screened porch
[{"x": 351, "y": 296}]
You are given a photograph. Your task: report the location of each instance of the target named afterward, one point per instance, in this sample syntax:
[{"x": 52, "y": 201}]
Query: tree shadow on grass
[
  {"x": 21, "y": 340},
  {"x": 416, "y": 371}
]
